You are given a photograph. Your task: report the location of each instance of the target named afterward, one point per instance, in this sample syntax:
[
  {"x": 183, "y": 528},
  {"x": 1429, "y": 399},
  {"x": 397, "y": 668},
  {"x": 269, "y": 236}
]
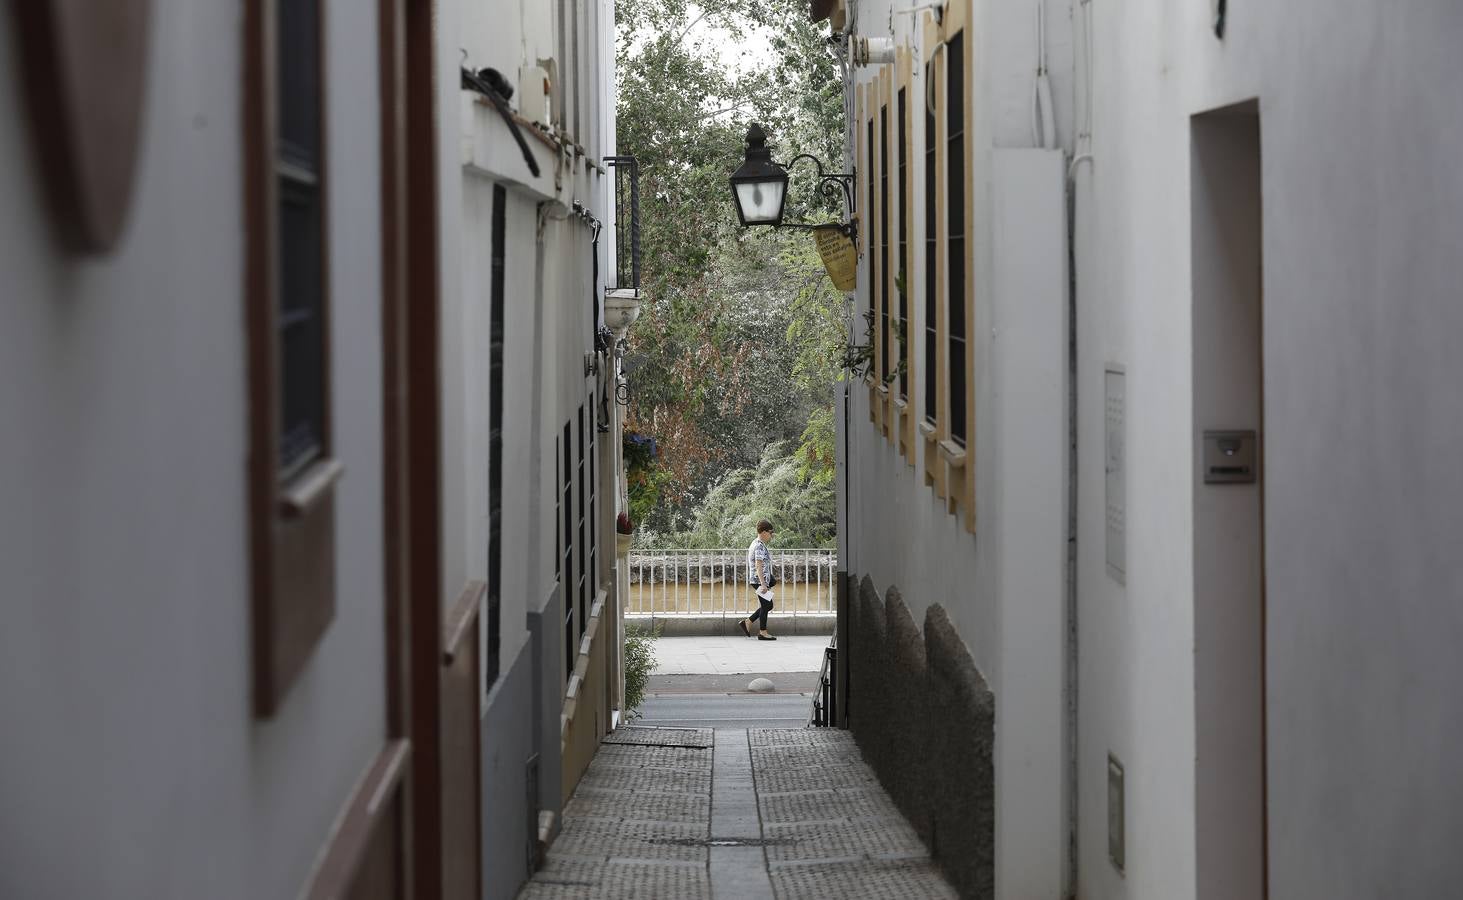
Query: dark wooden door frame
[
  {"x": 392, "y": 57},
  {"x": 421, "y": 445}
]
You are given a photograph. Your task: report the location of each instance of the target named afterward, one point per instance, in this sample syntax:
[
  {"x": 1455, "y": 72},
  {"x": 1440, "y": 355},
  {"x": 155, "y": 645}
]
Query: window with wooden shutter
[{"x": 292, "y": 472}]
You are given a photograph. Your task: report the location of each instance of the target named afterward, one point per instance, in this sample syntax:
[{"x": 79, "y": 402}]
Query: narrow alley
[
  {"x": 659, "y": 449},
  {"x": 733, "y": 814}
]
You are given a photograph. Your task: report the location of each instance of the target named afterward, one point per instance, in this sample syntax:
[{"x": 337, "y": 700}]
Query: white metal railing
[{"x": 714, "y": 582}]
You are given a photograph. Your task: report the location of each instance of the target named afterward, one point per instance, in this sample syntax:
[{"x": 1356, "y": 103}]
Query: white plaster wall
[
  {"x": 1027, "y": 515},
  {"x": 473, "y": 337},
  {"x": 1004, "y": 587},
  {"x": 1360, "y": 322},
  {"x": 547, "y": 317},
  {"x": 1136, "y": 643},
  {"x": 523, "y": 504},
  {"x": 129, "y": 743}
]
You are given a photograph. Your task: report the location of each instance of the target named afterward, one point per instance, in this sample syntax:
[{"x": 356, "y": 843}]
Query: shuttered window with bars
[
  {"x": 581, "y": 483},
  {"x": 955, "y": 247},
  {"x": 883, "y": 284},
  {"x": 901, "y": 233},
  {"x": 495, "y": 439},
  {"x": 873, "y": 184},
  {"x": 301, "y": 292},
  {"x": 292, "y": 473},
  {"x": 566, "y": 579},
  {"x": 931, "y": 281}
]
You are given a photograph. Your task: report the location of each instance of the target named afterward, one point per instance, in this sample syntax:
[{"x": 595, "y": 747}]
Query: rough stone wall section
[
  {"x": 869, "y": 677},
  {"x": 961, "y": 746},
  {"x": 910, "y": 776},
  {"x": 924, "y": 718}
]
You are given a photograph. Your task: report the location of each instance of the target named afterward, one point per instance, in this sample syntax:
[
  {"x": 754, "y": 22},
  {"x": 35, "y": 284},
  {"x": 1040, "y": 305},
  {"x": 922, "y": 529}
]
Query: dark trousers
[{"x": 764, "y": 607}]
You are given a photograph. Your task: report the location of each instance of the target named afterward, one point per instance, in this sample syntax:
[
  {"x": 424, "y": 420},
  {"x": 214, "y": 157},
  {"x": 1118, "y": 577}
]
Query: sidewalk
[
  {"x": 735, "y": 654},
  {"x": 691, "y": 814}
]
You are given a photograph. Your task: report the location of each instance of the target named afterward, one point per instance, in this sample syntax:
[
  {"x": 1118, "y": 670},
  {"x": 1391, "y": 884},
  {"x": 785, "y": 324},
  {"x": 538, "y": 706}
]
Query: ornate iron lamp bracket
[{"x": 826, "y": 183}]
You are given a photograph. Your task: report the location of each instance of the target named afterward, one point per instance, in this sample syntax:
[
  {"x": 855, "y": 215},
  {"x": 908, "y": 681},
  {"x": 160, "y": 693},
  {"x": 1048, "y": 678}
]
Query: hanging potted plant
[{"x": 624, "y": 533}]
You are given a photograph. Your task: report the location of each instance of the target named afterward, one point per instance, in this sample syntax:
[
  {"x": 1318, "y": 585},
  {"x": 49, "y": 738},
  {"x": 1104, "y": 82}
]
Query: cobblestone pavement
[{"x": 688, "y": 813}]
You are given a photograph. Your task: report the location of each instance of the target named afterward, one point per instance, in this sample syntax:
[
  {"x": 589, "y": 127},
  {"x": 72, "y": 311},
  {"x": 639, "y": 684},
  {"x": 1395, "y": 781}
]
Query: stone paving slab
[
  {"x": 692, "y": 814},
  {"x": 657, "y": 757},
  {"x": 640, "y": 778},
  {"x": 914, "y": 879},
  {"x": 659, "y": 737},
  {"x": 825, "y": 805},
  {"x": 638, "y": 806}
]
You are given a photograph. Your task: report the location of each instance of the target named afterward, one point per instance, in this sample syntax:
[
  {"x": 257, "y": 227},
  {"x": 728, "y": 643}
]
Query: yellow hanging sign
[{"x": 840, "y": 259}]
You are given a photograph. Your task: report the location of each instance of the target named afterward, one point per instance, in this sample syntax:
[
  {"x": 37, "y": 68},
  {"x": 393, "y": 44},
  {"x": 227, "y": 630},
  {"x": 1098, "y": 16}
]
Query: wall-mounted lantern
[{"x": 759, "y": 187}]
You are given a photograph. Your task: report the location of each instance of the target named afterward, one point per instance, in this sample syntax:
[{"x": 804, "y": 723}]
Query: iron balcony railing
[
  {"x": 627, "y": 221},
  {"x": 714, "y": 582}
]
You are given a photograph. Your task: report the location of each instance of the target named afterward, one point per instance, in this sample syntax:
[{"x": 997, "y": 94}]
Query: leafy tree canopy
[
  {"x": 741, "y": 333},
  {"x": 803, "y": 510}
]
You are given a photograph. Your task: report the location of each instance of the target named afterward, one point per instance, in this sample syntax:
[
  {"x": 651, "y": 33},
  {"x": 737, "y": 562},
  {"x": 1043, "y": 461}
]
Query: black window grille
[
  {"x": 301, "y": 309},
  {"x": 558, "y": 512},
  {"x": 901, "y": 276},
  {"x": 883, "y": 285},
  {"x": 580, "y": 481},
  {"x": 873, "y": 184},
  {"x": 566, "y": 581},
  {"x": 932, "y": 285},
  {"x": 955, "y": 248},
  {"x": 495, "y": 441},
  {"x": 627, "y": 221},
  {"x": 593, "y": 500}
]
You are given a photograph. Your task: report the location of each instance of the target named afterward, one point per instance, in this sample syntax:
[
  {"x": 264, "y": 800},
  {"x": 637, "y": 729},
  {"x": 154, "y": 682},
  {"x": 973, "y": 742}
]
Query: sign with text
[
  {"x": 838, "y": 254},
  {"x": 1115, "y": 467}
]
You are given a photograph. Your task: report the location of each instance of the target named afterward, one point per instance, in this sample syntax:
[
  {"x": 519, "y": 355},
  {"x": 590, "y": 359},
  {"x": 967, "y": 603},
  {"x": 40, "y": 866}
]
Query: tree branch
[{"x": 716, "y": 112}]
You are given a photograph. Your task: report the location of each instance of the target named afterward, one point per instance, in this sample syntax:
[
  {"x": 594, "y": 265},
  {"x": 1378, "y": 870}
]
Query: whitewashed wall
[
  {"x": 1003, "y": 587},
  {"x": 132, "y": 764},
  {"x": 547, "y": 272},
  {"x": 1361, "y": 317}
]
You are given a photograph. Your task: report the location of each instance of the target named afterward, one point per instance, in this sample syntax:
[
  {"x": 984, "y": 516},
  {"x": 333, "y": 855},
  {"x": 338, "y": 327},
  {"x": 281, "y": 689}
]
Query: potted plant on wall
[
  {"x": 624, "y": 533},
  {"x": 642, "y": 475}
]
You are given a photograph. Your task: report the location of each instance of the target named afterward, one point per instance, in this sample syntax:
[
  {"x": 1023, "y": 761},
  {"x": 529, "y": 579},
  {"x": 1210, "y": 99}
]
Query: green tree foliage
[
  {"x": 803, "y": 509},
  {"x": 724, "y": 358}
]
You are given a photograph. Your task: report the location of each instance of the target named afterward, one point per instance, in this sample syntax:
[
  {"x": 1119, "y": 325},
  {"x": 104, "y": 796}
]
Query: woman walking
[{"x": 762, "y": 580}]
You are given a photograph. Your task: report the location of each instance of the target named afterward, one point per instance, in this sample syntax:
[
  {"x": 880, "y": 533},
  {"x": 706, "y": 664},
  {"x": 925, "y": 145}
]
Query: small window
[
  {"x": 873, "y": 184},
  {"x": 558, "y": 513},
  {"x": 562, "y": 55},
  {"x": 495, "y": 440},
  {"x": 301, "y": 295},
  {"x": 932, "y": 286},
  {"x": 575, "y": 75},
  {"x": 883, "y": 286},
  {"x": 292, "y": 474},
  {"x": 581, "y": 481},
  {"x": 955, "y": 246},
  {"x": 566, "y": 581},
  {"x": 901, "y": 277},
  {"x": 593, "y": 501}
]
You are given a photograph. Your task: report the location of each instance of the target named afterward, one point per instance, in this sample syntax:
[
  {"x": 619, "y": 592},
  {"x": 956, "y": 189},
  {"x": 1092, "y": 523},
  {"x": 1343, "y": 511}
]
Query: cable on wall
[
  {"x": 491, "y": 84},
  {"x": 1043, "y": 117}
]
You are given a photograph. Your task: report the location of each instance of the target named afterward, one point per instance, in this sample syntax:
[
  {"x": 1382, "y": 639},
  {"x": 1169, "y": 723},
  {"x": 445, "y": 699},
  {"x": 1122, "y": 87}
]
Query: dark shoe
[
  {"x": 766, "y": 637},
  {"x": 745, "y": 630}
]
